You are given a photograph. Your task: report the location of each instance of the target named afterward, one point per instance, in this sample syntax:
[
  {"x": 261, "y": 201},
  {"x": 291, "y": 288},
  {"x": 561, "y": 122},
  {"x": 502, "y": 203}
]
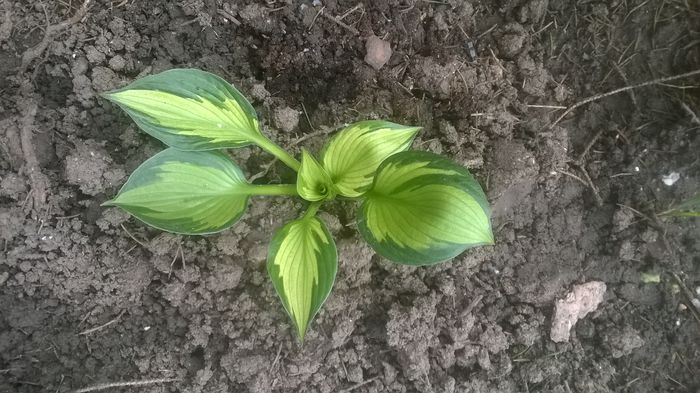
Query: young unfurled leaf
[
  {"x": 423, "y": 209},
  {"x": 302, "y": 262},
  {"x": 190, "y": 110},
  {"x": 354, "y": 154},
  {"x": 186, "y": 192},
  {"x": 313, "y": 182}
]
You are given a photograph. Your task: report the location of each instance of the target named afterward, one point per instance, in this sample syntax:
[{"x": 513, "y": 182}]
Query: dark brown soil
[{"x": 201, "y": 309}]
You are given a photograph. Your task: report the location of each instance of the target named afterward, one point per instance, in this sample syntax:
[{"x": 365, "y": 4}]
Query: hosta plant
[{"x": 418, "y": 208}]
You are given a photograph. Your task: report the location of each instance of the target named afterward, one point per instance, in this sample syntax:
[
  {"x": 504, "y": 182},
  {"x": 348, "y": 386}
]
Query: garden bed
[{"x": 89, "y": 295}]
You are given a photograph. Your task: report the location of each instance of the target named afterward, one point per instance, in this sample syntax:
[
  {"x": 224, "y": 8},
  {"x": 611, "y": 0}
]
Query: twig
[
  {"x": 309, "y": 136},
  {"x": 621, "y": 90},
  {"x": 546, "y": 106},
  {"x": 104, "y": 386},
  {"x": 588, "y": 147},
  {"x": 468, "y": 310},
  {"x": 638, "y": 213},
  {"x": 571, "y": 175},
  {"x": 340, "y": 23},
  {"x": 351, "y": 10},
  {"x": 112, "y": 322},
  {"x": 306, "y": 114},
  {"x": 490, "y": 29},
  {"x": 596, "y": 194},
  {"x": 180, "y": 253},
  {"x": 228, "y": 16},
  {"x": 313, "y": 21},
  {"x": 688, "y": 296},
  {"x": 363, "y": 383},
  {"x": 132, "y": 237},
  {"x": 693, "y": 116},
  {"x": 36, "y": 177},
  {"x": 277, "y": 358},
  {"x": 32, "y": 53},
  {"x": 624, "y": 79}
]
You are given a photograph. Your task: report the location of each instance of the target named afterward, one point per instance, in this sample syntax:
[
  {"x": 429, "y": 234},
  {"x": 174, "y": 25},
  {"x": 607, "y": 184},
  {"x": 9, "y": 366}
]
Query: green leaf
[
  {"x": 423, "y": 209},
  {"x": 190, "y": 110},
  {"x": 313, "y": 182},
  {"x": 354, "y": 154},
  {"x": 186, "y": 192},
  {"x": 302, "y": 262},
  {"x": 689, "y": 208}
]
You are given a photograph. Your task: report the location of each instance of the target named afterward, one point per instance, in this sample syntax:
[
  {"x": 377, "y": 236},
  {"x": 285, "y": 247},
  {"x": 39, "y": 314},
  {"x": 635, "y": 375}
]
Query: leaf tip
[{"x": 414, "y": 129}]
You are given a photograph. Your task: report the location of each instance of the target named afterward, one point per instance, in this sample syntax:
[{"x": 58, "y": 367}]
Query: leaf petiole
[
  {"x": 281, "y": 154},
  {"x": 273, "y": 189},
  {"x": 312, "y": 209}
]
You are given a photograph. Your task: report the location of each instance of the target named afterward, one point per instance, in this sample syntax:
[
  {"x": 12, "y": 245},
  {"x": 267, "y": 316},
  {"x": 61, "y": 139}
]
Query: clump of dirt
[
  {"x": 89, "y": 295},
  {"x": 92, "y": 169}
]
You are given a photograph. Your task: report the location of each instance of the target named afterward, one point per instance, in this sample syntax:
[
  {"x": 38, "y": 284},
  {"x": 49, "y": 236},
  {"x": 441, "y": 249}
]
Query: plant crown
[{"x": 418, "y": 208}]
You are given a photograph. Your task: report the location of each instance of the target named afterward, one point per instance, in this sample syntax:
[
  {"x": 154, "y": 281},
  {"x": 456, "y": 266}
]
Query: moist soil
[{"x": 89, "y": 295}]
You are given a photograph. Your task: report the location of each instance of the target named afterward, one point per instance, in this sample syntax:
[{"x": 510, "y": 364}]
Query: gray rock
[{"x": 582, "y": 300}]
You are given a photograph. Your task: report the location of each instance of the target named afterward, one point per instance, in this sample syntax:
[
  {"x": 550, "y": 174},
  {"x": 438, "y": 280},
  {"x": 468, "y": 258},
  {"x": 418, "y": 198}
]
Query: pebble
[
  {"x": 582, "y": 300},
  {"x": 378, "y": 52},
  {"x": 671, "y": 178}
]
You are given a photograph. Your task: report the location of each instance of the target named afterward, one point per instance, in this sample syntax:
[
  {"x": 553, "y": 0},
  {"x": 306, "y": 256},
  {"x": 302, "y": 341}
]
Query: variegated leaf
[
  {"x": 190, "y": 109},
  {"x": 423, "y": 209},
  {"x": 186, "y": 192},
  {"x": 354, "y": 154},
  {"x": 302, "y": 262}
]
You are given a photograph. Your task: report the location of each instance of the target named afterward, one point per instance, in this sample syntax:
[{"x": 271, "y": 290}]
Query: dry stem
[
  {"x": 104, "y": 386},
  {"x": 36, "y": 51},
  {"x": 621, "y": 90}
]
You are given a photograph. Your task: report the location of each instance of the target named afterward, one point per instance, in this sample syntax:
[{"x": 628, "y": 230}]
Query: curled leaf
[{"x": 313, "y": 182}]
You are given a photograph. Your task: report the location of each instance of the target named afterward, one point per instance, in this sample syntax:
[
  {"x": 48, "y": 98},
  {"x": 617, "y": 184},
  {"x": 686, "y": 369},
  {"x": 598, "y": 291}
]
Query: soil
[{"x": 89, "y": 295}]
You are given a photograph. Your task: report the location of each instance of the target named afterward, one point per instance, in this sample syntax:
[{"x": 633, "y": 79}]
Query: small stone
[
  {"x": 378, "y": 52},
  {"x": 582, "y": 300},
  {"x": 3, "y": 277},
  {"x": 286, "y": 119},
  {"x": 671, "y": 178}
]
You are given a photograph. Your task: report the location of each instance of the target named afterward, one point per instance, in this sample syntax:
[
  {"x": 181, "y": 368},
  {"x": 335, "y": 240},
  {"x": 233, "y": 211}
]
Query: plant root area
[{"x": 93, "y": 299}]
